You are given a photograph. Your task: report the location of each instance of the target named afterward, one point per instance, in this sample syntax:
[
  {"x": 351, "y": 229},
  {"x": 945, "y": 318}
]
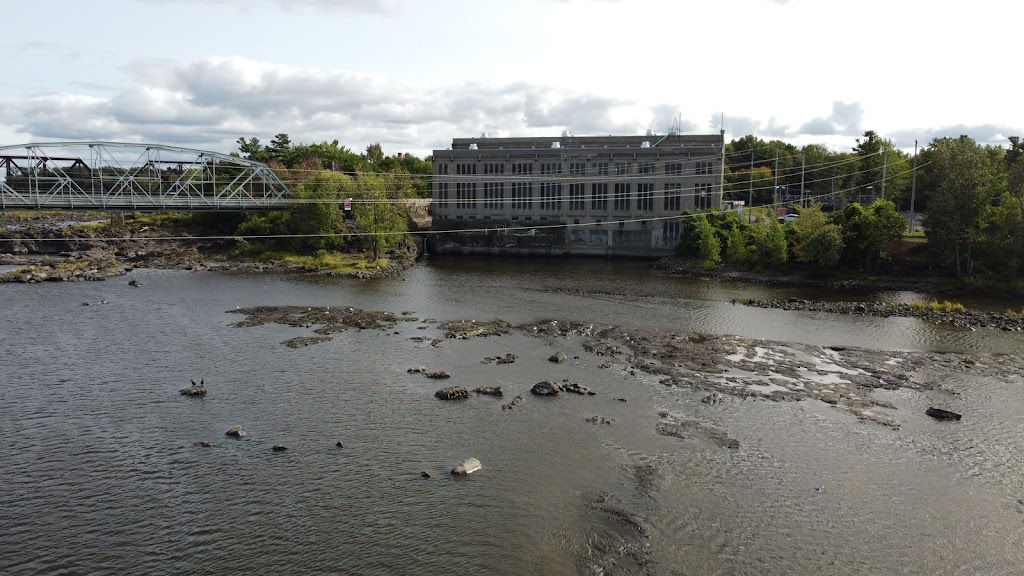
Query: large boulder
[
  {"x": 452, "y": 393},
  {"x": 557, "y": 357},
  {"x": 468, "y": 466},
  {"x": 546, "y": 388}
]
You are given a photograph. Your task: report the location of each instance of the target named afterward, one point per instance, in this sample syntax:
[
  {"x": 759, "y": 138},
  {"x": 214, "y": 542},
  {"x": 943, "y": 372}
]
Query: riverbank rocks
[
  {"x": 193, "y": 391},
  {"x": 960, "y": 318},
  {"x": 558, "y": 357},
  {"x": 236, "y": 432},
  {"x": 468, "y": 466},
  {"x": 452, "y": 393},
  {"x": 489, "y": 390},
  {"x": 546, "y": 388},
  {"x": 940, "y": 414}
]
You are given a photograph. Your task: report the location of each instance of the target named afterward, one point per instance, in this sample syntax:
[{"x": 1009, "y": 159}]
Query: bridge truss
[{"x": 113, "y": 176}]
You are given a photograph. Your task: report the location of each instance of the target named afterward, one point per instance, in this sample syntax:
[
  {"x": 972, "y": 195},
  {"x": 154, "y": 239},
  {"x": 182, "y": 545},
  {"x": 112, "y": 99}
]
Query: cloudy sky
[{"x": 413, "y": 74}]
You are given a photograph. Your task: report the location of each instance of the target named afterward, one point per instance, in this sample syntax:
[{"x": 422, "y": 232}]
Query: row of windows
[
  {"x": 580, "y": 168},
  {"x": 550, "y": 196}
]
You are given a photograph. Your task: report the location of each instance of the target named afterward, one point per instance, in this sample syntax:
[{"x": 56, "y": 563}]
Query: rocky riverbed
[{"x": 971, "y": 319}]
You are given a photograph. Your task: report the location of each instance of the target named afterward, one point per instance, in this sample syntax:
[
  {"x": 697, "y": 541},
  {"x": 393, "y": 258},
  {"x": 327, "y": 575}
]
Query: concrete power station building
[{"x": 599, "y": 195}]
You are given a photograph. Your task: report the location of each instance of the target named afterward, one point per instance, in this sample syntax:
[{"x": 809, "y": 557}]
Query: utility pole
[
  {"x": 885, "y": 162},
  {"x": 803, "y": 171},
  {"x": 775, "y": 188},
  {"x": 750, "y": 194},
  {"x": 913, "y": 187}
]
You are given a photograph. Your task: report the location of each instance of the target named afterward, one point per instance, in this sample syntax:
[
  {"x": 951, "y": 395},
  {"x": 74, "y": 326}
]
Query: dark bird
[
  {"x": 202, "y": 382},
  {"x": 194, "y": 383}
]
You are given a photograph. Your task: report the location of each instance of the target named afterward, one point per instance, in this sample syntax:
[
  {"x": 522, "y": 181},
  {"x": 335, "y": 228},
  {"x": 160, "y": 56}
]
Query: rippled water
[{"x": 100, "y": 475}]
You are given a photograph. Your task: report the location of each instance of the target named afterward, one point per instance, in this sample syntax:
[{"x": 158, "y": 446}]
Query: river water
[{"x": 100, "y": 475}]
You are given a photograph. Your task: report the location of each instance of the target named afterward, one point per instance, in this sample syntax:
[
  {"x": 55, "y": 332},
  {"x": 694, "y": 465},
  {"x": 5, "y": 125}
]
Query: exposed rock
[
  {"x": 599, "y": 420},
  {"x": 303, "y": 341},
  {"x": 464, "y": 329},
  {"x": 489, "y": 390},
  {"x": 279, "y": 448},
  {"x": 695, "y": 430},
  {"x": 134, "y": 283},
  {"x": 546, "y": 388},
  {"x": 452, "y": 393},
  {"x": 713, "y": 398},
  {"x": 620, "y": 399},
  {"x": 557, "y": 357},
  {"x": 515, "y": 402},
  {"x": 339, "y": 444},
  {"x": 438, "y": 375},
  {"x": 417, "y": 370},
  {"x": 468, "y": 466},
  {"x": 577, "y": 389},
  {"x": 831, "y": 398},
  {"x": 428, "y": 473},
  {"x": 193, "y": 391},
  {"x": 940, "y": 414},
  {"x": 506, "y": 359},
  {"x": 236, "y": 432},
  {"x": 204, "y": 444}
]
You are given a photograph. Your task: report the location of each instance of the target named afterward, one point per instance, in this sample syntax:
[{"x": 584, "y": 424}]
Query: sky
[{"x": 413, "y": 74}]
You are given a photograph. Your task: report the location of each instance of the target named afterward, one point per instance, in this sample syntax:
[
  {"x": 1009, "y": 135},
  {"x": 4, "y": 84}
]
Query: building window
[
  {"x": 522, "y": 168},
  {"x": 703, "y": 168},
  {"x": 442, "y": 169},
  {"x": 550, "y": 168},
  {"x": 600, "y": 168},
  {"x": 645, "y": 196},
  {"x": 673, "y": 197},
  {"x": 645, "y": 168},
  {"x": 578, "y": 168},
  {"x": 621, "y": 202},
  {"x": 522, "y": 195},
  {"x": 622, "y": 169},
  {"x": 466, "y": 168},
  {"x": 550, "y": 196},
  {"x": 465, "y": 195},
  {"x": 670, "y": 232},
  {"x": 577, "y": 202},
  {"x": 702, "y": 196},
  {"x": 674, "y": 169},
  {"x": 494, "y": 168},
  {"x": 494, "y": 195},
  {"x": 599, "y": 196},
  {"x": 442, "y": 194}
]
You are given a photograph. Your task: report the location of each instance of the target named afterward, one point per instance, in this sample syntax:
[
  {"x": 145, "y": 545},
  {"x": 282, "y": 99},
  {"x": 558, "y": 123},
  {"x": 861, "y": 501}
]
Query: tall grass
[{"x": 936, "y": 306}]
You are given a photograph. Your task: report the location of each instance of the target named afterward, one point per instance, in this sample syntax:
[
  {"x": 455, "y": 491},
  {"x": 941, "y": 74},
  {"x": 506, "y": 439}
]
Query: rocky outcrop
[
  {"x": 465, "y": 329},
  {"x": 686, "y": 429},
  {"x": 558, "y": 357},
  {"x": 193, "y": 391},
  {"x": 468, "y": 466},
  {"x": 546, "y": 388},
  {"x": 515, "y": 402},
  {"x": 489, "y": 390},
  {"x": 452, "y": 393},
  {"x": 940, "y": 414},
  {"x": 962, "y": 318},
  {"x": 438, "y": 375},
  {"x": 576, "y": 388},
  {"x": 236, "y": 432}
]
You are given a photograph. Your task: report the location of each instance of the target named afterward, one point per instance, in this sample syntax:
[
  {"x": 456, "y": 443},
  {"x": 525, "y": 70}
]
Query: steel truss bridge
[{"x": 113, "y": 176}]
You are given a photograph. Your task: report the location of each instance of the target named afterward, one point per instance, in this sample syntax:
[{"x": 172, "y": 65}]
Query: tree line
[{"x": 971, "y": 195}]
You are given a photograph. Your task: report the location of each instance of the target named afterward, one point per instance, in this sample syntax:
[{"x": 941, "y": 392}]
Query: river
[{"x": 100, "y": 475}]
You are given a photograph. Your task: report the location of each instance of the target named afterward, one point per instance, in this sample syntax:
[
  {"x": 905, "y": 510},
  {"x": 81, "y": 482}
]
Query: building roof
[{"x": 576, "y": 142}]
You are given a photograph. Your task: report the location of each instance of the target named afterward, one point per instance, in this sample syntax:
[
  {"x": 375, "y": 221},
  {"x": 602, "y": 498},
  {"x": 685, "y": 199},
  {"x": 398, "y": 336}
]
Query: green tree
[
  {"x": 959, "y": 204},
  {"x": 252, "y": 149},
  {"x": 375, "y": 154},
  {"x": 737, "y": 252},
  {"x": 379, "y": 214},
  {"x": 709, "y": 247},
  {"x": 768, "y": 247},
  {"x": 817, "y": 241},
  {"x": 314, "y": 213},
  {"x": 870, "y": 233},
  {"x": 1002, "y": 246}
]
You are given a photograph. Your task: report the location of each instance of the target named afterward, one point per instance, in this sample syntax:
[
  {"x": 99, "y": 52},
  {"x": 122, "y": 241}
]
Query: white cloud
[{"x": 379, "y": 6}]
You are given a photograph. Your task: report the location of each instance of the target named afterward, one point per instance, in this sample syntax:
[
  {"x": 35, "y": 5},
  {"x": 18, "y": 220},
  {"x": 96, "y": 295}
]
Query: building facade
[{"x": 614, "y": 195}]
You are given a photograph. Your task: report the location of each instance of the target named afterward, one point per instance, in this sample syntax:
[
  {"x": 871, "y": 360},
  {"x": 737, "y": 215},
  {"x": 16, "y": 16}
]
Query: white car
[{"x": 789, "y": 218}]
